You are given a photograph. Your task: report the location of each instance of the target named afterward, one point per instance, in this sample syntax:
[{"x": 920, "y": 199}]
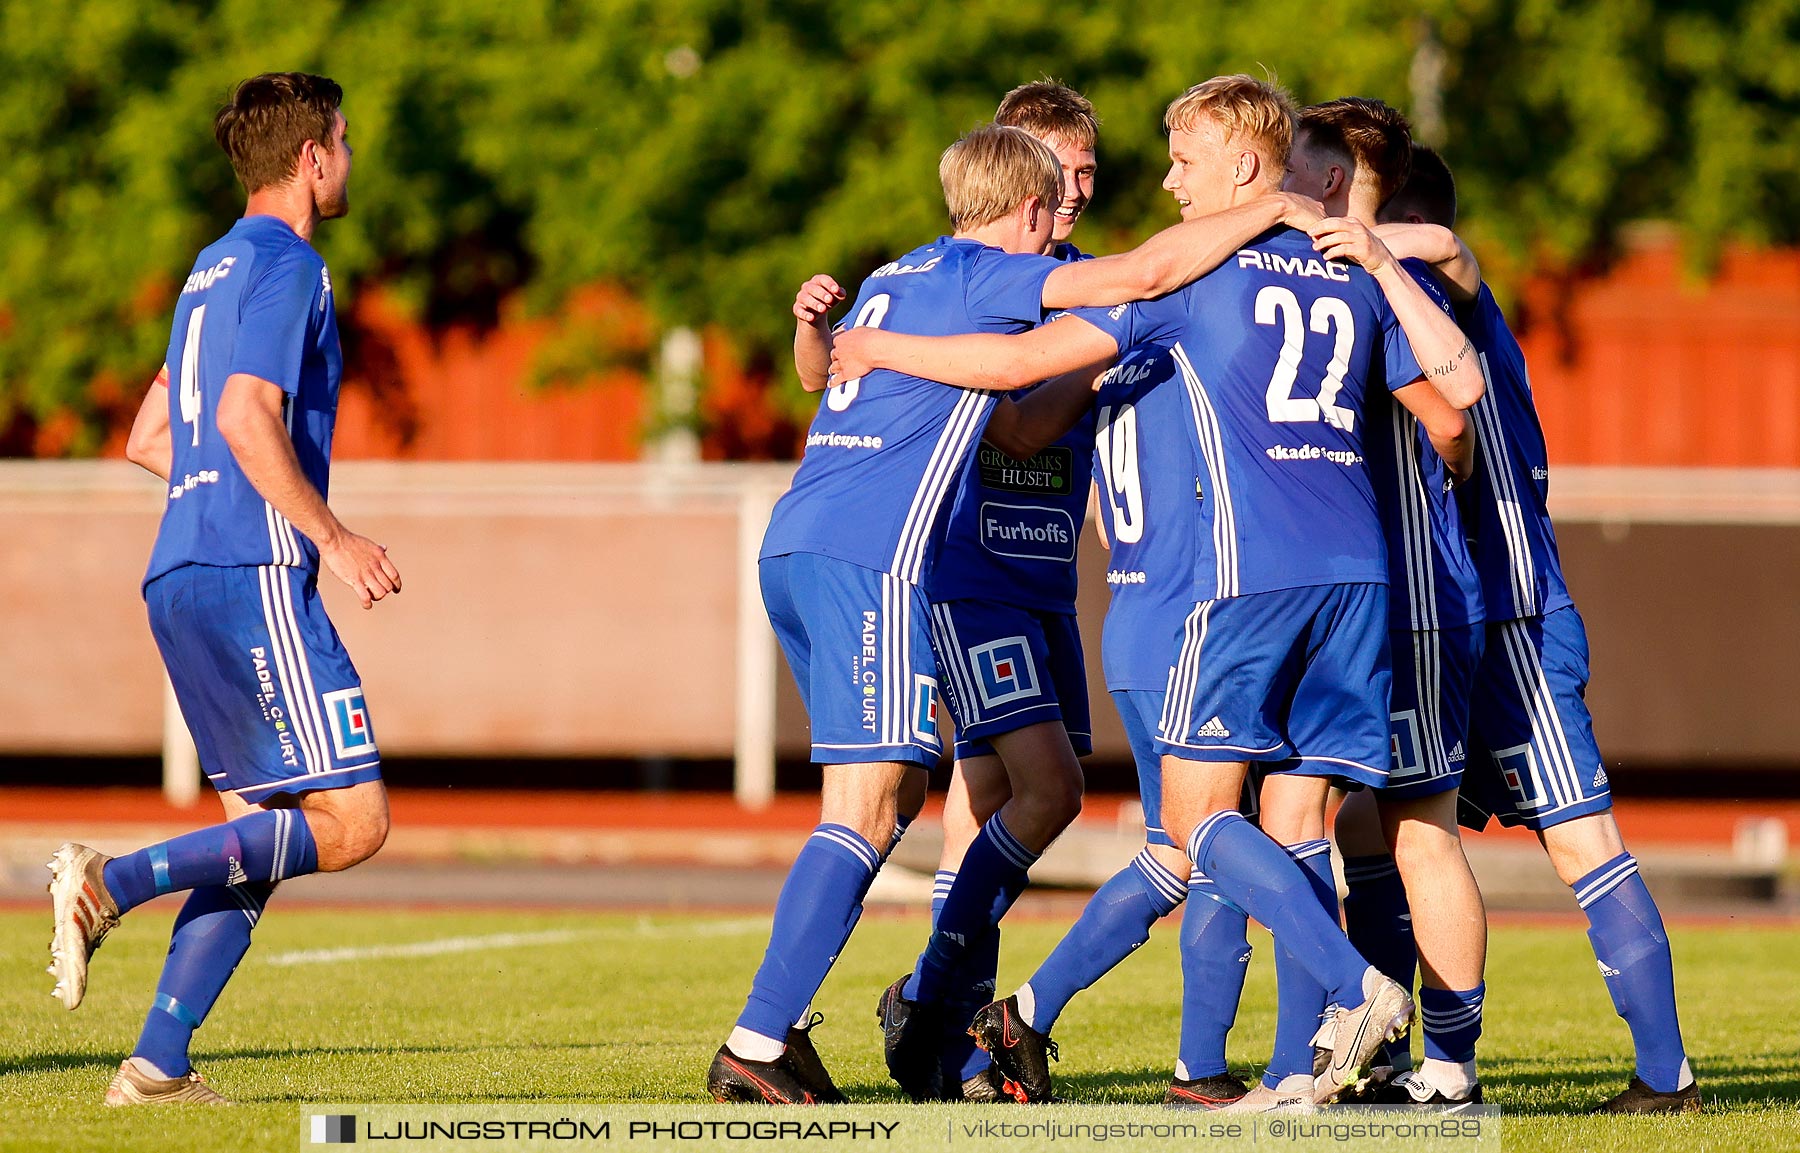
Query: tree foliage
[{"x": 709, "y": 154}]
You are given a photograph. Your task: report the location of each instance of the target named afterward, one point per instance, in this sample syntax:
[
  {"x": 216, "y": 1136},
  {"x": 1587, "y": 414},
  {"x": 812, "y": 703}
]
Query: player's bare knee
[
  {"x": 1421, "y": 850},
  {"x": 1578, "y": 847},
  {"x": 345, "y": 840},
  {"x": 1062, "y": 797},
  {"x": 1051, "y": 803},
  {"x": 1173, "y": 859}
]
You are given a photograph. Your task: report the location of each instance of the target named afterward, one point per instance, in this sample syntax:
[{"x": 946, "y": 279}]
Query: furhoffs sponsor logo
[{"x": 1023, "y": 530}]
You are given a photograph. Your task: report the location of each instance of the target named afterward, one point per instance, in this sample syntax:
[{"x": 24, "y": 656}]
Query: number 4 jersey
[
  {"x": 887, "y": 449},
  {"x": 1274, "y": 351},
  {"x": 258, "y": 302}
]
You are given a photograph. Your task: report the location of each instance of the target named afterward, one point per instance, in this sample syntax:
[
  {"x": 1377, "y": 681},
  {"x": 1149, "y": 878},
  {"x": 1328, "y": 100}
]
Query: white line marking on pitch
[{"x": 447, "y": 945}]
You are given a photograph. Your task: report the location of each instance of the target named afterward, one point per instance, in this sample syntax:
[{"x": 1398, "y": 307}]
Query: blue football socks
[
  {"x": 1114, "y": 923},
  {"x": 262, "y": 847},
  {"x": 210, "y": 937},
  {"x": 818, "y": 906},
  {"x": 1451, "y": 1020},
  {"x": 1257, "y": 876},
  {"x": 1378, "y": 921},
  {"x": 901, "y": 822},
  {"x": 940, "y": 892},
  {"x": 1300, "y": 1003},
  {"x": 1377, "y": 917},
  {"x": 1215, "y": 957},
  {"x": 992, "y": 876},
  {"x": 971, "y": 987},
  {"x": 1633, "y": 950}
]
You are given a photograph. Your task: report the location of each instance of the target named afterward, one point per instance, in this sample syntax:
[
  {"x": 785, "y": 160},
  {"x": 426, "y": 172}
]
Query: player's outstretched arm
[
  {"x": 1440, "y": 248},
  {"x": 1450, "y": 431},
  {"x": 250, "y": 420},
  {"x": 1175, "y": 256},
  {"x": 812, "y": 330},
  {"x": 1439, "y": 345},
  {"x": 1025, "y": 427},
  {"x": 149, "y": 445},
  {"x": 977, "y": 360}
]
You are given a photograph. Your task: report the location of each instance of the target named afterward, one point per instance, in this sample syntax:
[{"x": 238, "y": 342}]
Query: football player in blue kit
[
  {"x": 1003, "y": 599},
  {"x": 1354, "y": 154},
  {"x": 1145, "y": 474},
  {"x": 1286, "y": 633},
  {"x": 851, "y": 547},
  {"x": 239, "y": 427},
  {"x": 1533, "y": 760}
]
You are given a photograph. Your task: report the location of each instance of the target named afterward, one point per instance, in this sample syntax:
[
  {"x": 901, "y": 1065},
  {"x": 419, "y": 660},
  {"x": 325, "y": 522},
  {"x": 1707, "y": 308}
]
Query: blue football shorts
[
  {"x": 1005, "y": 668},
  {"x": 1534, "y": 761},
  {"x": 268, "y": 692},
  {"x": 1434, "y": 677},
  {"x": 1295, "y": 676},
  {"x": 857, "y": 643},
  {"x": 1141, "y": 712}
]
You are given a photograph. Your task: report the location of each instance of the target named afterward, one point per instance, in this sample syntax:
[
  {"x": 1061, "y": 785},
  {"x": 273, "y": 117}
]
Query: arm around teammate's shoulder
[
  {"x": 1441, "y": 248},
  {"x": 1439, "y": 344},
  {"x": 1174, "y": 257},
  {"x": 982, "y": 360}
]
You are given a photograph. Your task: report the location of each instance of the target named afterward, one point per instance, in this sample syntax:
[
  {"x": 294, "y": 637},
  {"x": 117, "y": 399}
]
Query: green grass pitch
[{"x": 612, "y": 1008}]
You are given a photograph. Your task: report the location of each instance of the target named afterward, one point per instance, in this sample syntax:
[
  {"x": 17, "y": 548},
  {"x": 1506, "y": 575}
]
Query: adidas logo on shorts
[
  {"x": 1456, "y": 756},
  {"x": 1214, "y": 728},
  {"x": 234, "y": 872},
  {"x": 1600, "y": 779}
]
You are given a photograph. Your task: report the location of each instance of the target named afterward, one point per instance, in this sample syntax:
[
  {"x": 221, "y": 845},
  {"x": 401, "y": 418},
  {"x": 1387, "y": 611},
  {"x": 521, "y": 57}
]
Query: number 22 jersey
[{"x": 1274, "y": 351}]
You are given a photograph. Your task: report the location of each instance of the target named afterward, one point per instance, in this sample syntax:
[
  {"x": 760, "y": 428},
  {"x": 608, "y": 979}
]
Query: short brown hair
[
  {"x": 1050, "y": 110},
  {"x": 1429, "y": 191},
  {"x": 1374, "y": 137},
  {"x": 268, "y": 120},
  {"x": 1261, "y": 113},
  {"x": 994, "y": 169}
]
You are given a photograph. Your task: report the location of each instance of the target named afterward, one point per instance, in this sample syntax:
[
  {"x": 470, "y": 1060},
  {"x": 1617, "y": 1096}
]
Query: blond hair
[
  {"x": 1051, "y": 110},
  {"x": 1260, "y": 114},
  {"x": 994, "y": 169}
]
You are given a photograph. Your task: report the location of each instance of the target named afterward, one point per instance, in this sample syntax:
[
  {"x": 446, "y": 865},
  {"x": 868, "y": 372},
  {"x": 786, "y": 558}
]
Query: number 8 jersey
[
  {"x": 258, "y": 302},
  {"x": 1273, "y": 352},
  {"x": 886, "y": 450}
]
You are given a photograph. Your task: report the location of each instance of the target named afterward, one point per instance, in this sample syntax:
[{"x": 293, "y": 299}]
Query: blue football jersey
[
  {"x": 1149, "y": 482},
  {"x": 1515, "y": 543},
  {"x": 259, "y": 302},
  {"x": 1015, "y": 525},
  {"x": 1275, "y": 351},
  {"x": 886, "y": 450},
  {"x": 1431, "y": 577}
]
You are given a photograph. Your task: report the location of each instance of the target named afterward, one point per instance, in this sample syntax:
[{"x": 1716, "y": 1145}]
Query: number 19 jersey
[
  {"x": 886, "y": 450},
  {"x": 258, "y": 302},
  {"x": 1274, "y": 351},
  {"x": 1144, "y": 467}
]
